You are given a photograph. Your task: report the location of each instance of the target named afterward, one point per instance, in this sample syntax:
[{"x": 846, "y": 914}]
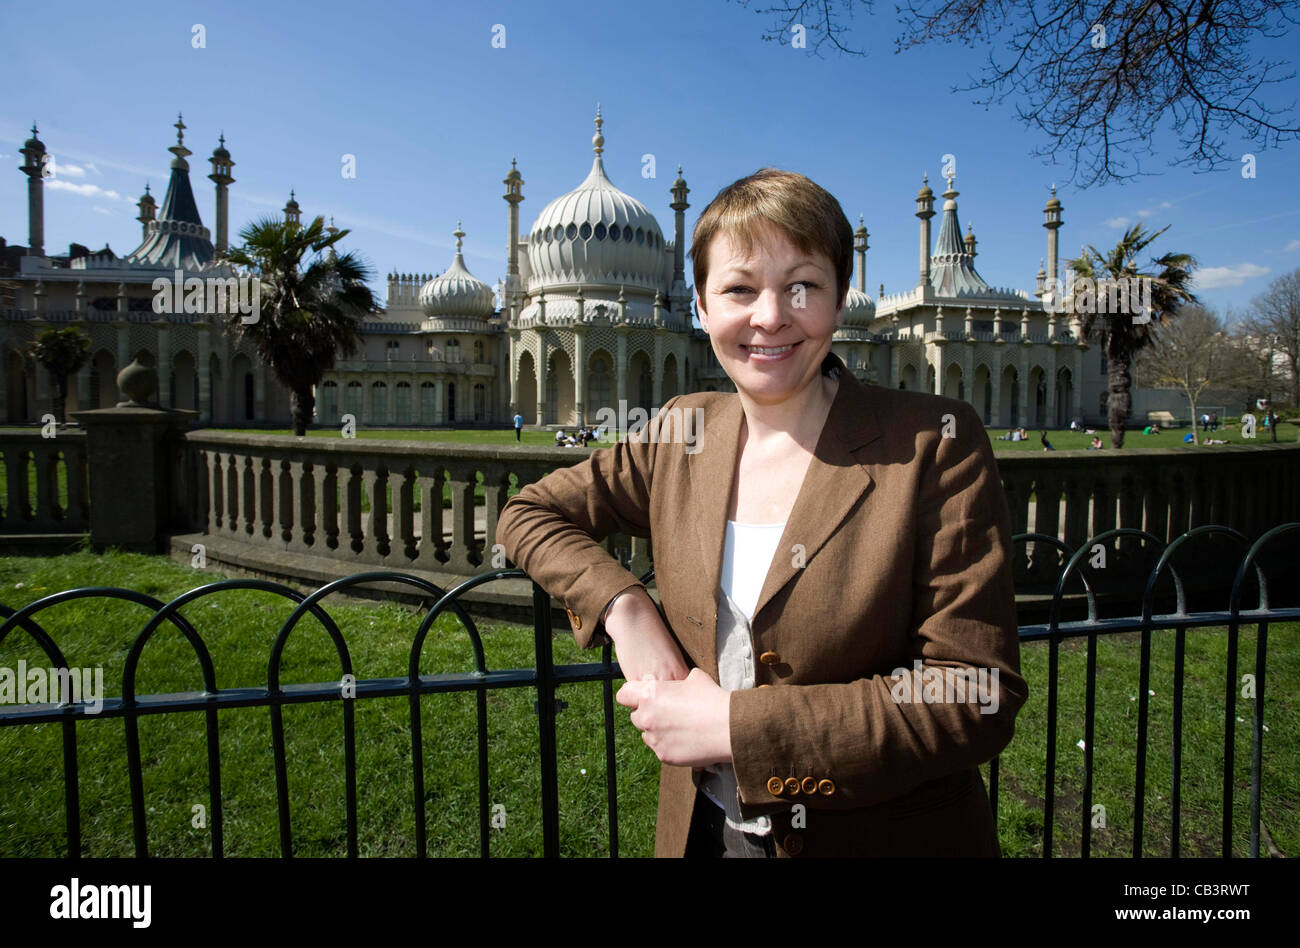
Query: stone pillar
[
  {"x": 580, "y": 376},
  {"x": 968, "y": 375},
  {"x": 1024, "y": 386},
  {"x": 1049, "y": 404},
  {"x": 131, "y": 452},
  {"x": 543, "y": 356},
  {"x": 995, "y": 393},
  {"x": 657, "y": 375},
  {"x": 165, "y": 395},
  {"x": 204, "y": 368},
  {"x": 620, "y": 369},
  {"x": 513, "y": 370}
]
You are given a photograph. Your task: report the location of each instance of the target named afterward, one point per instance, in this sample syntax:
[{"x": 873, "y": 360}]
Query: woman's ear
[{"x": 699, "y": 309}]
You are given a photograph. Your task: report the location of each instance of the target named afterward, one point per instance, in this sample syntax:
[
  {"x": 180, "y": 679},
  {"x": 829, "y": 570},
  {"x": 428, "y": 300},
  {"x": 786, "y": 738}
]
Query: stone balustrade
[
  {"x": 53, "y": 460},
  {"x": 276, "y": 494},
  {"x": 305, "y": 496}
]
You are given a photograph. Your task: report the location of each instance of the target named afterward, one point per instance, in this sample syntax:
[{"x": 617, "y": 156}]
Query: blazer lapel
[{"x": 832, "y": 486}]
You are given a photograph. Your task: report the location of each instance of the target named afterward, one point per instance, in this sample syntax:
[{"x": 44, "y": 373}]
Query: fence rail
[{"x": 1251, "y": 577}]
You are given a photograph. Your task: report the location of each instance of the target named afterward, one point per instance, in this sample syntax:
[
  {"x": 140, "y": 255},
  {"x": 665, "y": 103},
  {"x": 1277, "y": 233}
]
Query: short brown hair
[{"x": 805, "y": 212}]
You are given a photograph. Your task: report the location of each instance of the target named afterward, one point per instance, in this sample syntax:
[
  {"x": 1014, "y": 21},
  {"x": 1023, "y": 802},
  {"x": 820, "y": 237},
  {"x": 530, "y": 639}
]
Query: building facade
[{"x": 594, "y": 312}]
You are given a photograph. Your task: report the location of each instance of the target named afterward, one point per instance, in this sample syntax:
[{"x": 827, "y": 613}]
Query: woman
[{"x": 833, "y": 561}]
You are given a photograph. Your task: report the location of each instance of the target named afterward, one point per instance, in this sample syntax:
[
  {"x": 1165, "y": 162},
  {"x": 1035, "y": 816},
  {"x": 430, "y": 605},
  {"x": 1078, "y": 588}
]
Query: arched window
[
  {"x": 478, "y": 350},
  {"x": 453, "y": 350}
]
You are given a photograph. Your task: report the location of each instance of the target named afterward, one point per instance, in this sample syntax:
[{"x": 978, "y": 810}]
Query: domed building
[
  {"x": 592, "y": 320},
  {"x": 599, "y": 310}
]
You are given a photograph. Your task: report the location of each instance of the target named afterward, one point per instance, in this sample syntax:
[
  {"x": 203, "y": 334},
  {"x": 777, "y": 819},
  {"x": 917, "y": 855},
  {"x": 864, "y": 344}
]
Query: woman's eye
[{"x": 738, "y": 289}]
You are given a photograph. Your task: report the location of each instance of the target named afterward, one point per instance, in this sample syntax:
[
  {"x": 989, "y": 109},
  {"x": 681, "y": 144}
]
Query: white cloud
[
  {"x": 103, "y": 210},
  {"x": 1293, "y": 245},
  {"x": 1117, "y": 222},
  {"x": 1209, "y": 278},
  {"x": 1148, "y": 211},
  {"x": 85, "y": 190}
]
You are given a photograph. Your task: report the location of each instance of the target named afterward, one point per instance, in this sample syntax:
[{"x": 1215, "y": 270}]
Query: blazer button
[
  {"x": 770, "y": 658},
  {"x": 809, "y": 786},
  {"x": 826, "y": 787},
  {"x": 776, "y": 786},
  {"x": 792, "y": 786},
  {"x": 574, "y": 619},
  {"x": 793, "y": 844}
]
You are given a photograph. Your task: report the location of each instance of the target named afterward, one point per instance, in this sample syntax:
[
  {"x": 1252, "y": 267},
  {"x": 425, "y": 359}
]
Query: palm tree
[
  {"x": 307, "y": 313},
  {"x": 1120, "y": 335},
  {"x": 63, "y": 352}
]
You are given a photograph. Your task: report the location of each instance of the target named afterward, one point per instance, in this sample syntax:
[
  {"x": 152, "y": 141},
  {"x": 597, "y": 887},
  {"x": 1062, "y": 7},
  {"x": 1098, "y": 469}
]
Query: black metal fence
[{"x": 1121, "y": 554}]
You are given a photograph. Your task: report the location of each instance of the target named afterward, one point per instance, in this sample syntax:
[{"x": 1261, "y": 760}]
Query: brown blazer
[{"x": 897, "y": 549}]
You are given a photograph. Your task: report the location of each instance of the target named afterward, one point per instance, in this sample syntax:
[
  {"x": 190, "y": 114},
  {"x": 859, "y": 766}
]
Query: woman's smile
[{"x": 769, "y": 353}]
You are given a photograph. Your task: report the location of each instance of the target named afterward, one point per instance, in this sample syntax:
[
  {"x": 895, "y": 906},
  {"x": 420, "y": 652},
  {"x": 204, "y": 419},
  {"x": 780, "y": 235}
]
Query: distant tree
[
  {"x": 1095, "y": 77},
  {"x": 1193, "y": 353},
  {"x": 1276, "y": 323},
  {"x": 63, "y": 352},
  {"x": 1119, "y": 334},
  {"x": 309, "y": 311}
]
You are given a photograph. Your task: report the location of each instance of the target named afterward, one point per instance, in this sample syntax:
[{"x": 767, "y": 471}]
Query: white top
[{"x": 746, "y": 558}]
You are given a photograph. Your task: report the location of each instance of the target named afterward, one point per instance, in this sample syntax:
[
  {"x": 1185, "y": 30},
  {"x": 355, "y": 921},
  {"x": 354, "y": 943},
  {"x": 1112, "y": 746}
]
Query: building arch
[
  {"x": 526, "y": 385},
  {"x": 600, "y": 383},
  {"x": 1064, "y": 395},
  {"x": 668, "y": 387},
  {"x": 184, "y": 382}
]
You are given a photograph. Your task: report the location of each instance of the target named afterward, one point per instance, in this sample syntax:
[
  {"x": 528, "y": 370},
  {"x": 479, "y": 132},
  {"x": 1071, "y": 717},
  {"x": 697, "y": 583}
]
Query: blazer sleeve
[
  {"x": 551, "y": 528},
  {"x": 868, "y": 736}
]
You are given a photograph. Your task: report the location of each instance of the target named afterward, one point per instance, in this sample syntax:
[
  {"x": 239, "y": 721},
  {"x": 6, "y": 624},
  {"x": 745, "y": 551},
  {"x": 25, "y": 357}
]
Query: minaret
[
  {"x": 221, "y": 165},
  {"x": 148, "y": 211},
  {"x": 970, "y": 240},
  {"x": 292, "y": 213},
  {"x": 860, "y": 247},
  {"x": 679, "y": 206},
  {"x": 1052, "y": 221},
  {"x": 925, "y": 211},
  {"x": 514, "y": 183},
  {"x": 33, "y": 152}
]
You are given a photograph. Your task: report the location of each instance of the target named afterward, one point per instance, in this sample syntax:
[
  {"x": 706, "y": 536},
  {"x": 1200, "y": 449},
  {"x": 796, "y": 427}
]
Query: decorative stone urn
[{"x": 139, "y": 381}]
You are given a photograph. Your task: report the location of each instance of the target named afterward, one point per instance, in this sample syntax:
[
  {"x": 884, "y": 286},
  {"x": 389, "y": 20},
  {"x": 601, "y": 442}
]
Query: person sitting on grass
[
  {"x": 1047, "y": 445},
  {"x": 1096, "y": 444}
]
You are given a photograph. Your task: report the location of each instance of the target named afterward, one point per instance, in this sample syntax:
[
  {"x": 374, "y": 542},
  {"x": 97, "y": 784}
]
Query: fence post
[
  {"x": 129, "y": 465},
  {"x": 546, "y": 711}
]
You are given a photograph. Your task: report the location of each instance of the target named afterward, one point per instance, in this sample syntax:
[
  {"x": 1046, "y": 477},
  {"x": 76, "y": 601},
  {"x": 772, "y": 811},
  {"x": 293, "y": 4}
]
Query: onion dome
[
  {"x": 457, "y": 292},
  {"x": 859, "y": 310},
  {"x": 596, "y": 234}
]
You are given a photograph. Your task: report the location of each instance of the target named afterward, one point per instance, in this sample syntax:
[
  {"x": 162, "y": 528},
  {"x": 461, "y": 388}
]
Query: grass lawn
[
  {"x": 239, "y": 627},
  {"x": 1134, "y": 438}
]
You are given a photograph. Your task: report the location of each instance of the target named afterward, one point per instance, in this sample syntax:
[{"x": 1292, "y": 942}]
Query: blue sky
[{"x": 433, "y": 113}]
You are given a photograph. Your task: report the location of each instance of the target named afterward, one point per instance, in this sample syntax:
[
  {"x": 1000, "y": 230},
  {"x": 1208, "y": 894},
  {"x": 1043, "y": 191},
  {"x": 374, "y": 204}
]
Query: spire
[
  {"x": 952, "y": 268},
  {"x": 458, "y": 234},
  {"x": 177, "y": 237},
  {"x": 598, "y": 140},
  {"x": 179, "y": 149}
]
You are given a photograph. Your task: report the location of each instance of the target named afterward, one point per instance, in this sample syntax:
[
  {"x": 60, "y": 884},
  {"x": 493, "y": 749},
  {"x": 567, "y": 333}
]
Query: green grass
[
  {"x": 239, "y": 627},
  {"x": 1134, "y": 438}
]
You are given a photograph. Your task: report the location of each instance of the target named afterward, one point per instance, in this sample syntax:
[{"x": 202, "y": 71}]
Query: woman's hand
[
  {"x": 686, "y": 723},
  {"x": 642, "y": 643}
]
